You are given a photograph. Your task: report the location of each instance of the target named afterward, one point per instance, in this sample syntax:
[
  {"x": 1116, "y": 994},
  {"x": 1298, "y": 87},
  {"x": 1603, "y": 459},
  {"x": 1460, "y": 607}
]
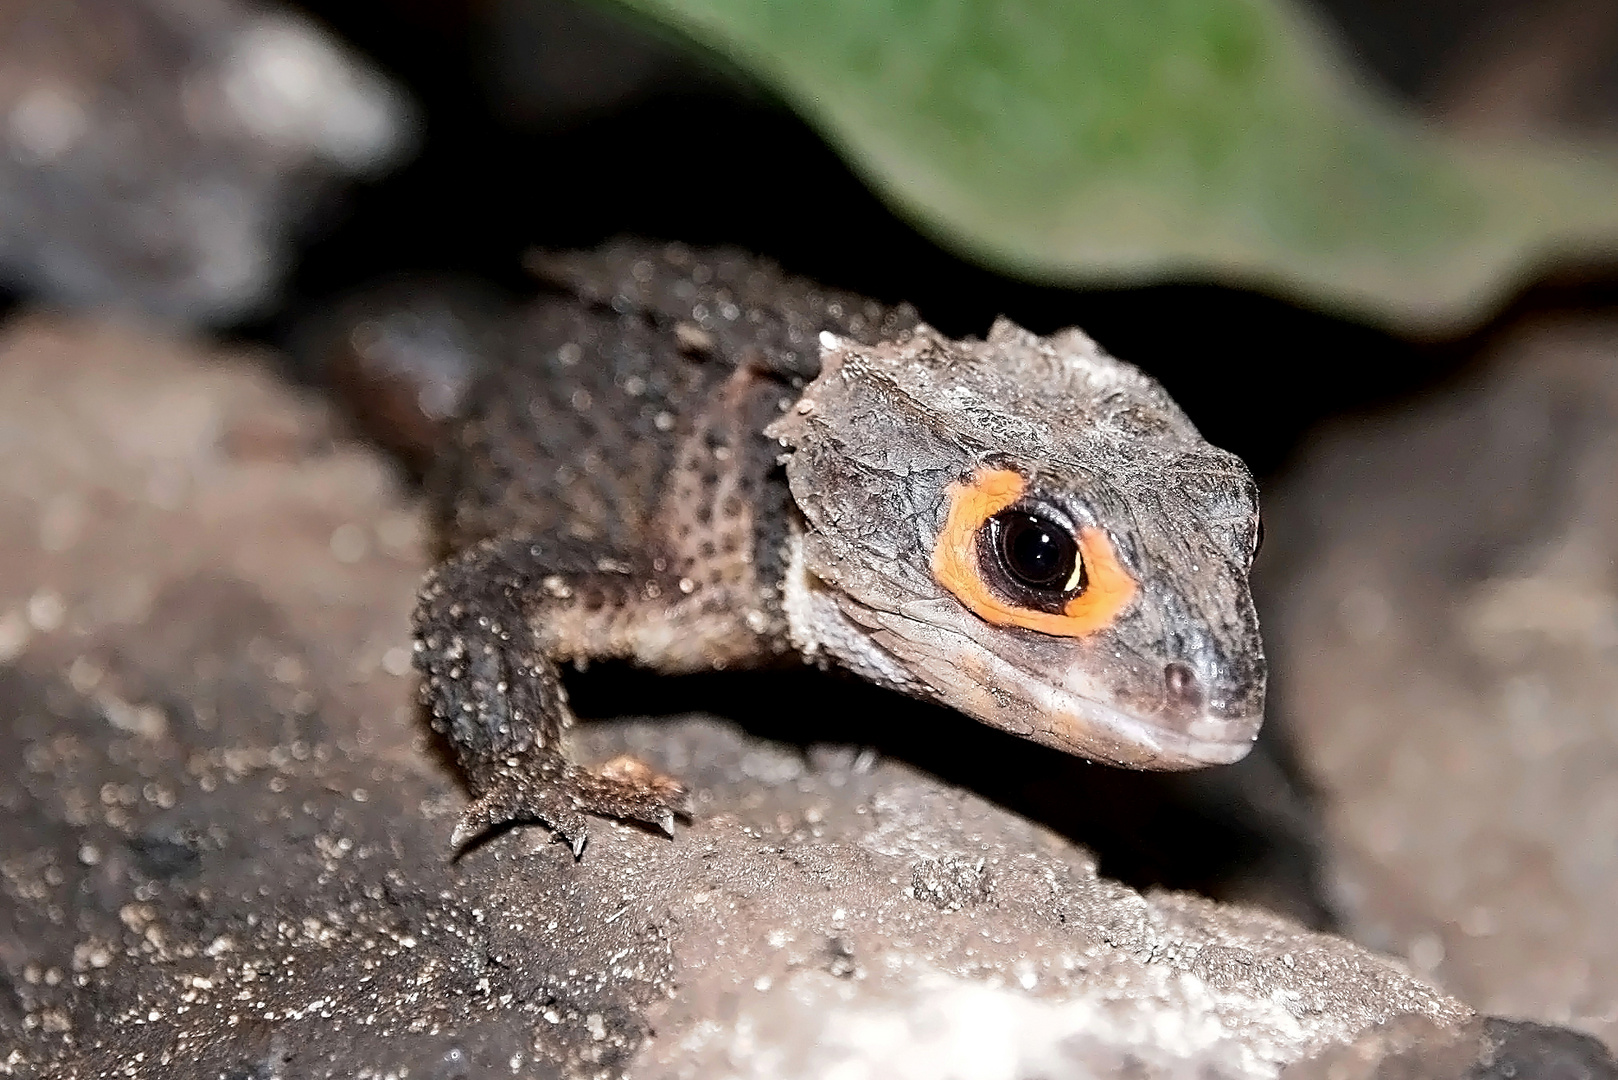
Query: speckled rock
[
  {"x": 226, "y": 849},
  {"x": 1443, "y": 609}
]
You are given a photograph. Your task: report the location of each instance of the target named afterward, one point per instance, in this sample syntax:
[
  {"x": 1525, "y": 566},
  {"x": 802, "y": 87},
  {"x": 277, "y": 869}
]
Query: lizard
[{"x": 692, "y": 460}]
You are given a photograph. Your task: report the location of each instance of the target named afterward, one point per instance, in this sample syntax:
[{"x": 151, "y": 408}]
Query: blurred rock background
[
  {"x": 327, "y": 183},
  {"x": 166, "y": 157}
]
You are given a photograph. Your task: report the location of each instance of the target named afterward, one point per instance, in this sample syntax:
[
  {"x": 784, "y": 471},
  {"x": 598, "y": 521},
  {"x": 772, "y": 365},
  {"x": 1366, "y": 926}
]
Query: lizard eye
[
  {"x": 1017, "y": 563},
  {"x": 1258, "y": 543},
  {"x": 1036, "y": 552}
]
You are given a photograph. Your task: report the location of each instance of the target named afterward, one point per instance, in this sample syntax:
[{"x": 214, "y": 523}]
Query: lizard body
[{"x": 691, "y": 460}]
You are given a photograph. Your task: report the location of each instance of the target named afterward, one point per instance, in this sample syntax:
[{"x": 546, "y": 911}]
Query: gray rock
[
  {"x": 160, "y": 155},
  {"x": 226, "y": 844},
  {"x": 1443, "y": 601},
  {"x": 1412, "y": 1047}
]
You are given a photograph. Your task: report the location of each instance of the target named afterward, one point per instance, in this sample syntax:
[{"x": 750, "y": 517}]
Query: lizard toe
[
  {"x": 628, "y": 789},
  {"x": 516, "y": 799}
]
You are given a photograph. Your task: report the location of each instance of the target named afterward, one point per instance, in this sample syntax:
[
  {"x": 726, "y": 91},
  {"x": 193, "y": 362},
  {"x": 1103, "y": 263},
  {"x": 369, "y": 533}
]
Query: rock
[
  {"x": 1442, "y": 611},
  {"x": 162, "y": 156},
  {"x": 226, "y": 849},
  {"x": 1520, "y": 1048},
  {"x": 1412, "y": 1047}
]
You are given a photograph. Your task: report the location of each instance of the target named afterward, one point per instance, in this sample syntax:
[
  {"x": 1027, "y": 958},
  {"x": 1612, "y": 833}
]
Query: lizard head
[{"x": 1033, "y": 533}]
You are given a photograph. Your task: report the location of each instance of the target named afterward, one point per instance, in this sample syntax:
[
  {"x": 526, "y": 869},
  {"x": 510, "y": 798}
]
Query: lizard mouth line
[
  {"x": 975, "y": 679},
  {"x": 1078, "y": 724},
  {"x": 1172, "y": 749}
]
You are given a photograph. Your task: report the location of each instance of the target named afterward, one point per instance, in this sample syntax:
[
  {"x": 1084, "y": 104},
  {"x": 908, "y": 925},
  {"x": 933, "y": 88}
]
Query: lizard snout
[{"x": 1214, "y": 706}]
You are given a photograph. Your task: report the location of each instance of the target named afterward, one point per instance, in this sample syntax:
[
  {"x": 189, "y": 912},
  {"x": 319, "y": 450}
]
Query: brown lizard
[{"x": 690, "y": 460}]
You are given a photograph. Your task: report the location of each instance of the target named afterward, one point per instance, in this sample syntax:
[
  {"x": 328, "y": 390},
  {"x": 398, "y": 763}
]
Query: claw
[
  {"x": 512, "y": 801},
  {"x": 477, "y": 819},
  {"x": 559, "y": 795}
]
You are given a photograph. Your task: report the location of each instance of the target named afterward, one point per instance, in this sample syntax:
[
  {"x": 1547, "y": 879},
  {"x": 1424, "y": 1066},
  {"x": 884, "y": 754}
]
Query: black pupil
[{"x": 1038, "y": 553}]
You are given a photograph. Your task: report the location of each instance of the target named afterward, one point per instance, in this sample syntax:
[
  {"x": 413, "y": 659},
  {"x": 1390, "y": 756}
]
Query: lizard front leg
[{"x": 490, "y": 625}]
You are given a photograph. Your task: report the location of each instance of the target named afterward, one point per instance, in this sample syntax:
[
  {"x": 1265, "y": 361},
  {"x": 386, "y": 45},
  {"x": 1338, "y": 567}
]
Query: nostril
[{"x": 1184, "y": 689}]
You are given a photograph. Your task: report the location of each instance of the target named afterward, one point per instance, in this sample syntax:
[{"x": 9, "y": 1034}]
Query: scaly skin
[{"x": 690, "y": 460}]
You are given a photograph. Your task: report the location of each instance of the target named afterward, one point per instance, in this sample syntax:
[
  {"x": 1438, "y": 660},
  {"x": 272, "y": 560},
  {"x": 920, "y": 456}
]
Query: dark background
[{"x": 552, "y": 124}]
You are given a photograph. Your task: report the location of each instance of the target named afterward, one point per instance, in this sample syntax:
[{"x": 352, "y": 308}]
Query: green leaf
[{"x": 1121, "y": 141}]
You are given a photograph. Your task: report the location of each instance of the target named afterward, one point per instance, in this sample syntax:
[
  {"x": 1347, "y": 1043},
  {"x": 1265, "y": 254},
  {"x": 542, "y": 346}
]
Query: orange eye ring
[{"x": 955, "y": 563}]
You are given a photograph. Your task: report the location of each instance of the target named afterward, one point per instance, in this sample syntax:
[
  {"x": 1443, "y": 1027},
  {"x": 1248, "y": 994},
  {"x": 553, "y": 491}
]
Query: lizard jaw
[
  {"x": 1071, "y": 716},
  {"x": 1140, "y": 742}
]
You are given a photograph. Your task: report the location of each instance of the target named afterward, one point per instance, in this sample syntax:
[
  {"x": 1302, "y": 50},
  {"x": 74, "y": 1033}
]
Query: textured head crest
[{"x": 907, "y": 456}]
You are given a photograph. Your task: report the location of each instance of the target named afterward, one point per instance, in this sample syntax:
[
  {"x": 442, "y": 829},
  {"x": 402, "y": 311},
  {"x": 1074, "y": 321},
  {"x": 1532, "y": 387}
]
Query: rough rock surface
[
  {"x": 226, "y": 831},
  {"x": 1443, "y": 613},
  {"x": 1412, "y": 1047},
  {"x": 161, "y": 156}
]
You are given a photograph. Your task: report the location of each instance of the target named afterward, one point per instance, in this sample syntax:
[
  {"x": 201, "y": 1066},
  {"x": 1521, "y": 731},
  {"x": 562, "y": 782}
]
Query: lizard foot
[
  {"x": 623, "y": 788},
  {"x": 628, "y": 788}
]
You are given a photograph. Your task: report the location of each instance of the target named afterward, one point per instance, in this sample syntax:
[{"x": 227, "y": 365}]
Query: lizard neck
[{"x": 822, "y": 625}]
